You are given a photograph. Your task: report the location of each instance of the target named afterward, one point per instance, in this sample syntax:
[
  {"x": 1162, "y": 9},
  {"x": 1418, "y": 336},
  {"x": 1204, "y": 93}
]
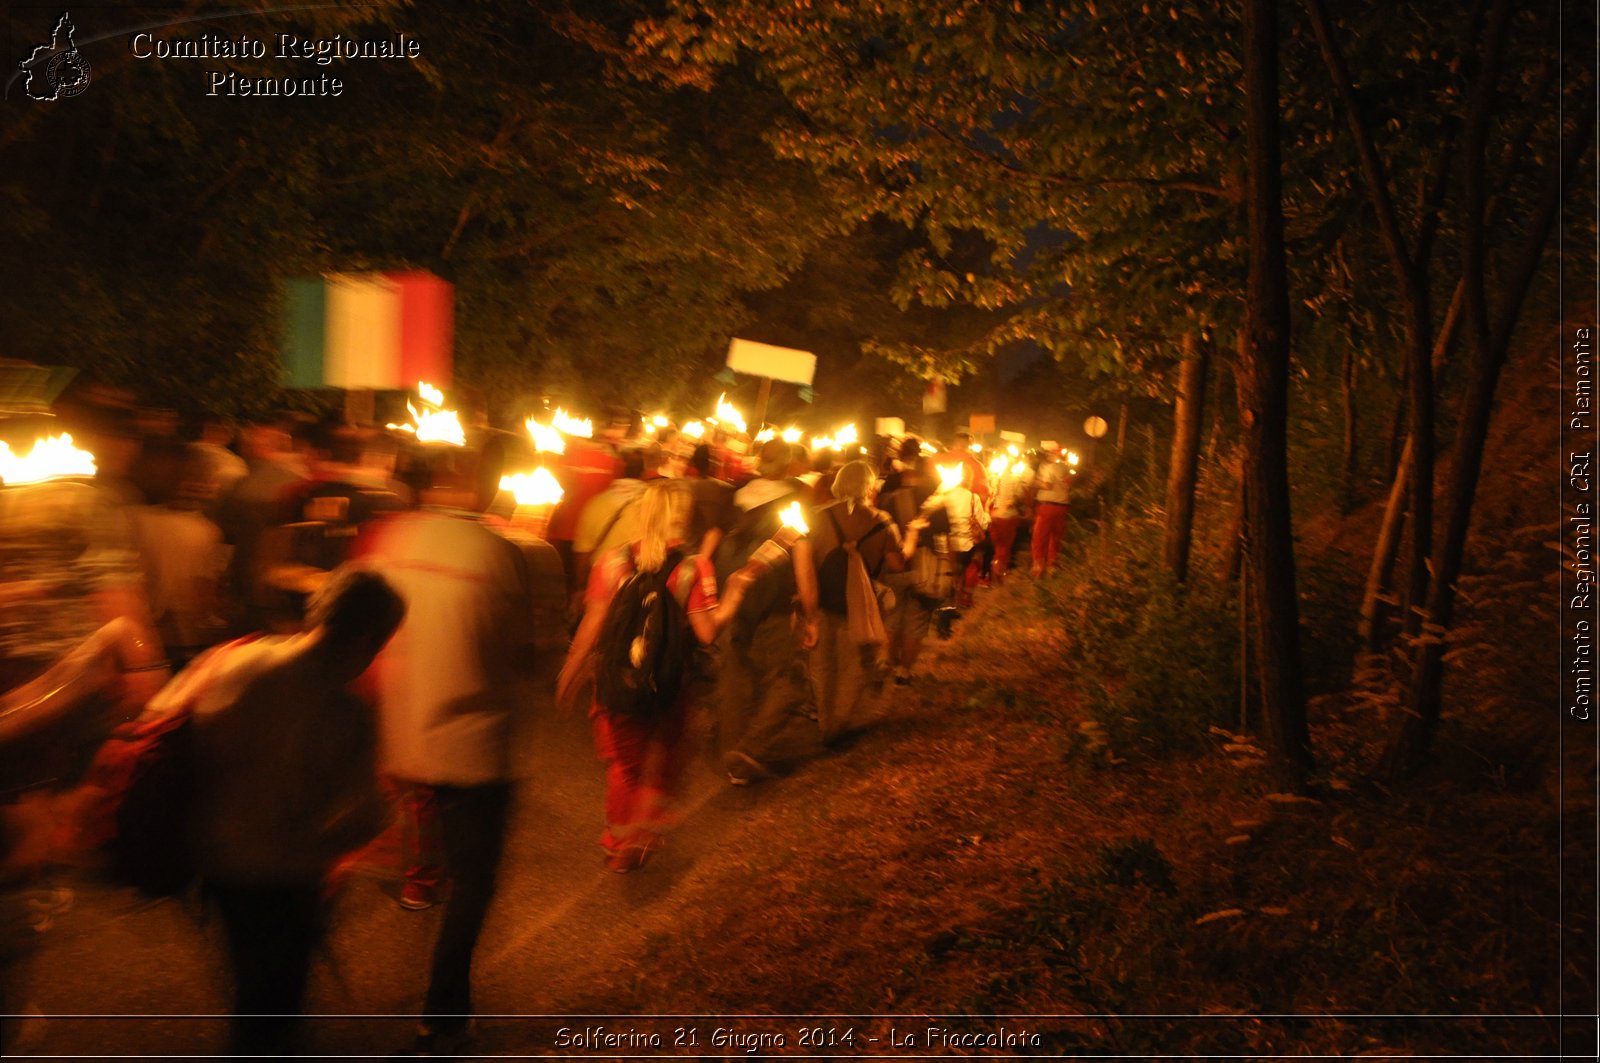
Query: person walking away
[
  {"x": 286, "y": 782},
  {"x": 1050, "y": 514},
  {"x": 713, "y": 503},
  {"x": 1007, "y": 510},
  {"x": 451, "y": 693},
  {"x": 647, "y": 608},
  {"x": 975, "y": 477},
  {"x": 585, "y": 469},
  {"x": 845, "y": 670},
  {"x": 761, "y": 680},
  {"x": 906, "y": 496},
  {"x": 609, "y": 520},
  {"x": 969, "y": 522}
]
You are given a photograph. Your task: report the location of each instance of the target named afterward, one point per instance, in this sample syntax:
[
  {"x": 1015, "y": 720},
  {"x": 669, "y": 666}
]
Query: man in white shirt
[{"x": 450, "y": 696}]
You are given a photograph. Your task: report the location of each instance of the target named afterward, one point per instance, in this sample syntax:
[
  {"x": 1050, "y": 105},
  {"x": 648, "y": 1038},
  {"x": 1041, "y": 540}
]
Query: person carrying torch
[
  {"x": 761, "y": 680},
  {"x": 648, "y": 608}
]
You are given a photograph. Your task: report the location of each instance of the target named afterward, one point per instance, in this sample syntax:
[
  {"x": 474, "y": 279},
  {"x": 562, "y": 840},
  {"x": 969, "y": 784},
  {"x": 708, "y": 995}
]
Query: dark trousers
[
  {"x": 272, "y": 929},
  {"x": 473, "y": 824}
]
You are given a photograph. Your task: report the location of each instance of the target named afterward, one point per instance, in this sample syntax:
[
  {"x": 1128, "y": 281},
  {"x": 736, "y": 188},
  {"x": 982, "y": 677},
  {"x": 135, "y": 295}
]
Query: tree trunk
[
  {"x": 1188, "y": 417},
  {"x": 1411, "y": 279},
  {"x": 1398, "y": 440},
  {"x": 1347, "y": 475},
  {"x": 1263, "y": 413},
  {"x": 1380, "y": 574},
  {"x": 1489, "y": 347}
]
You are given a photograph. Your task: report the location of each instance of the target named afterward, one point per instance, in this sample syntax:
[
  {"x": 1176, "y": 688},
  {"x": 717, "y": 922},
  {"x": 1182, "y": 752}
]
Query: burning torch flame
[
  {"x": 1019, "y": 469},
  {"x": 729, "y": 414},
  {"x": 845, "y": 436},
  {"x": 950, "y": 476},
  {"x": 791, "y": 435},
  {"x": 1013, "y": 451},
  {"x": 694, "y": 430},
  {"x": 766, "y": 434},
  {"x": 660, "y": 420},
  {"x": 538, "y": 488},
  {"x": 792, "y": 517},
  {"x": 438, "y": 426},
  {"x": 565, "y": 422},
  {"x": 997, "y": 464},
  {"x": 545, "y": 437},
  {"x": 820, "y": 443},
  {"x": 50, "y": 459},
  {"x": 976, "y": 448},
  {"x": 1072, "y": 458},
  {"x": 430, "y": 394}
]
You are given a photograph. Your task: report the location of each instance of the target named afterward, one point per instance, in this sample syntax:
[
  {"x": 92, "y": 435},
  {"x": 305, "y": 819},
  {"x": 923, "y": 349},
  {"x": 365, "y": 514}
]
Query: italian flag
[{"x": 385, "y": 331}]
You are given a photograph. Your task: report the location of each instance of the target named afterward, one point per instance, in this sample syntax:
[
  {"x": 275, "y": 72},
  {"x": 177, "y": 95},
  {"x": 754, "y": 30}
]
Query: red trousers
[
  {"x": 1003, "y": 533},
  {"x": 1048, "y": 524},
  {"x": 643, "y": 762}
]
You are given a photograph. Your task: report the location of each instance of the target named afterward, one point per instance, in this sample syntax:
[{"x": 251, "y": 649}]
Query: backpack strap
[{"x": 612, "y": 523}]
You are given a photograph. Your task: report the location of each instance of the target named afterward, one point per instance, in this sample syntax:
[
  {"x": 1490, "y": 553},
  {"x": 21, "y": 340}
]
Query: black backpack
[
  {"x": 645, "y": 645},
  {"x": 834, "y": 569}
]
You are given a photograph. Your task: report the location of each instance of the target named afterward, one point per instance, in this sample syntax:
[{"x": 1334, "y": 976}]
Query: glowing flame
[
  {"x": 694, "y": 430},
  {"x": 391, "y": 426},
  {"x": 660, "y": 420},
  {"x": 822, "y": 443},
  {"x": 565, "y": 422},
  {"x": 997, "y": 464},
  {"x": 791, "y": 435},
  {"x": 536, "y": 488},
  {"x": 928, "y": 449},
  {"x": 976, "y": 448},
  {"x": 729, "y": 414},
  {"x": 1019, "y": 469},
  {"x": 430, "y": 394},
  {"x": 1072, "y": 458},
  {"x": 845, "y": 436},
  {"x": 1013, "y": 451},
  {"x": 438, "y": 426},
  {"x": 766, "y": 434},
  {"x": 545, "y": 437},
  {"x": 50, "y": 459},
  {"x": 792, "y": 517},
  {"x": 950, "y": 476}
]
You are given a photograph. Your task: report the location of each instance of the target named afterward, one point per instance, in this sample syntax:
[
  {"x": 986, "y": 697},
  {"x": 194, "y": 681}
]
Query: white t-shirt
[
  {"x": 449, "y": 686},
  {"x": 967, "y": 517}
]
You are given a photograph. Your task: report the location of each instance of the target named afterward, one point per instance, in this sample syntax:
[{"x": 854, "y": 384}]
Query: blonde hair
[
  {"x": 663, "y": 517},
  {"x": 854, "y": 481}
]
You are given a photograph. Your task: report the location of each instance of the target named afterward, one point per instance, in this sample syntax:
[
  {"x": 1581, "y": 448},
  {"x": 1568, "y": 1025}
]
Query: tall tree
[{"x": 1263, "y": 408}]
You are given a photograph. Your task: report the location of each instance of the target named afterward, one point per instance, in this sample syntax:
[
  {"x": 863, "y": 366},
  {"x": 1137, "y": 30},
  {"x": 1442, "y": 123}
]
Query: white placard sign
[
  {"x": 889, "y": 426},
  {"x": 779, "y": 363},
  {"x": 1014, "y": 437},
  {"x": 1049, "y": 444}
]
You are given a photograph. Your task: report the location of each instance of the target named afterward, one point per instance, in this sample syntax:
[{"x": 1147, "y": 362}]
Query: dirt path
[{"x": 117, "y": 976}]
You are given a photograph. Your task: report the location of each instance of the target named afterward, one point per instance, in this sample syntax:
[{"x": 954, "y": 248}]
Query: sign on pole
[
  {"x": 933, "y": 399},
  {"x": 774, "y": 363},
  {"x": 1018, "y": 438},
  {"x": 980, "y": 424}
]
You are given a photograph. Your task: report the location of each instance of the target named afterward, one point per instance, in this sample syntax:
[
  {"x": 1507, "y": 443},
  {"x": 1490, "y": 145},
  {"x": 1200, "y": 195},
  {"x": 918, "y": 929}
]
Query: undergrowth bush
[{"x": 1158, "y": 662}]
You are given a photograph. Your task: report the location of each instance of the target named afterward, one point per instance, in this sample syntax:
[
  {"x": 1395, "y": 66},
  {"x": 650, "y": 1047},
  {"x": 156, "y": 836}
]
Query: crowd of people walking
[{"x": 352, "y": 621}]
